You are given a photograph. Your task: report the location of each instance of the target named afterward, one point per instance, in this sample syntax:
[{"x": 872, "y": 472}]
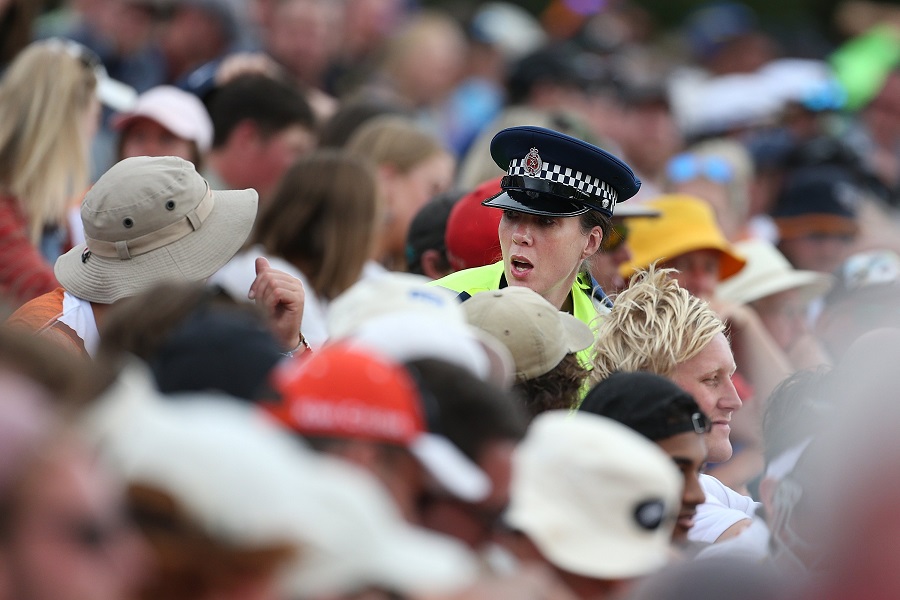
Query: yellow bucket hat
[{"x": 685, "y": 224}]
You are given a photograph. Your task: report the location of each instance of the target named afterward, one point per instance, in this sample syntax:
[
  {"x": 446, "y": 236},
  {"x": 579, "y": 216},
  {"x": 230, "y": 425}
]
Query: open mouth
[
  {"x": 520, "y": 267},
  {"x": 686, "y": 521}
]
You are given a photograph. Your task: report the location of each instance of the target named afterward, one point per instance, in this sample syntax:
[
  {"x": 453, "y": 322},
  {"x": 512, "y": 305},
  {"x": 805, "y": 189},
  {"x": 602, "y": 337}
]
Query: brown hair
[
  {"x": 190, "y": 563},
  {"x": 394, "y": 140},
  {"x": 559, "y": 388},
  {"x": 595, "y": 218},
  {"x": 323, "y": 219},
  {"x": 141, "y": 324}
]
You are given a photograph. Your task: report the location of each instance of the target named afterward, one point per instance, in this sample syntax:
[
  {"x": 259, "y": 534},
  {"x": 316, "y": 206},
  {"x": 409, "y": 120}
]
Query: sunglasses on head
[
  {"x": 618, "y": 235},
  {"x": 82, "y": 53},
  {"x": 686, "y": 167}
]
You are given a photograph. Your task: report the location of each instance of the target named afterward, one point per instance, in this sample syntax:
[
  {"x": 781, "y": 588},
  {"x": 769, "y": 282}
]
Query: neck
[{"x": 99, "y": 311}]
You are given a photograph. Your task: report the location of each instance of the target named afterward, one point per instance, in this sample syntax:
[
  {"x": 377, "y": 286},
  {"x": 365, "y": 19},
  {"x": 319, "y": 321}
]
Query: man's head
[
  {"x": 665, "y": 414},
  {"x": 605, "y": 265},
  {"x": 542, "y": 340},
  {"x": 261, "y": 125},
  {"x": 657, "y": 326},
  {"x": 817, "y": 217},
  {"x": 367, "y": 409},
  {"x": 685, "y": 237},
  {"x": 426, "y": 250},
  {"x": 486, "y": 423},
  {"x": 150, "y": 220}
]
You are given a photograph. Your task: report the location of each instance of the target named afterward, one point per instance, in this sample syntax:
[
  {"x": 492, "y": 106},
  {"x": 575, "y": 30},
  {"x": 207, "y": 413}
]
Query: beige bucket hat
[
  {"x": 149, "y": 220},
  {"x": 769, "y": 272}
]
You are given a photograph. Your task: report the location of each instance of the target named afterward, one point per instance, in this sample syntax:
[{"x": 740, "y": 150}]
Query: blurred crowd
[{"x": 556, "y": 305}]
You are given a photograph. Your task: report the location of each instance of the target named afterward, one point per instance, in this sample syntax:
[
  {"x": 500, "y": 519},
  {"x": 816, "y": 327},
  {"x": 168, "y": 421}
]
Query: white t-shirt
[
  {"x": 751, "y": 544},
  {"x": 79, "y": 316},
  {"x": 237, "y": 276},
  {"x": 723, "y": 508}
]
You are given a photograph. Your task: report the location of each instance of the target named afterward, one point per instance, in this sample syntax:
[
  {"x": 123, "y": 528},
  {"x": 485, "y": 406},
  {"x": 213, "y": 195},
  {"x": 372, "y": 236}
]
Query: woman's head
[
  {"x": 413, "y": 167},
  {"x": 50, "y": 114},
  {"x": 545, "y": 253},
  {"x": 323, "y": 218}
]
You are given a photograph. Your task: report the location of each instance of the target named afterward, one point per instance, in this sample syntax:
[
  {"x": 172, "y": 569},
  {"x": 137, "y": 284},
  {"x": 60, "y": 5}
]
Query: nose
[
  {"x": 730, "y": 400},
  {"x": 622, "y": 254},
  {"x": 521, "y": 235},
  {"x": 693, "y": 492}
]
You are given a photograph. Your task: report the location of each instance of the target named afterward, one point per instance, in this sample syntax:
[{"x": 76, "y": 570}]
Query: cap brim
[
  {"x": 578, "y": 335},
  {"x": 451, "y": 468},
  {"x": 194, "y": 257},
  {"x": 541, "y": 204},
  {"x": 634, "y": 210},
  {"x": 118, "y": 96},
  {"x": 810, "y": 283}
]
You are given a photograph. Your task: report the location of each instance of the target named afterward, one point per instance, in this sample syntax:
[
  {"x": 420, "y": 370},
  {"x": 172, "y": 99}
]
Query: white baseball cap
[
  {"x": 249, "y": 483},
  {"x": 595, "y": 497},
  {"x": 390, "y": 293},
  {"x": 400, "y": 316},
  {"x": 180, "y": 112}
]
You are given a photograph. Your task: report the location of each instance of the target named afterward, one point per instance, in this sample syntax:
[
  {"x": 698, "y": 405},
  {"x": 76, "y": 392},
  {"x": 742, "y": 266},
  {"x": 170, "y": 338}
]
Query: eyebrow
[{"x": 683, "y": 461}]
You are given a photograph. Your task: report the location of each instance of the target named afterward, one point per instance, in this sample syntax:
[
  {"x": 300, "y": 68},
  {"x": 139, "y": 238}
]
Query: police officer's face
[{"x": 544, "y": 253}]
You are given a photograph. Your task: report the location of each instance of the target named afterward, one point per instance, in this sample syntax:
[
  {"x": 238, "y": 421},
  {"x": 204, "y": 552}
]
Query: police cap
[{"x": 550, "y": 173}]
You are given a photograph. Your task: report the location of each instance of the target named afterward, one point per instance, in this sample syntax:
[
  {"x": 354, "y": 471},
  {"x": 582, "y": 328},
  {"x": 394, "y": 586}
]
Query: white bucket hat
[
  {"x": 149, "y": 220},
  {"x": 595, "y": 497},
  {"x": 768, "y": 272}
]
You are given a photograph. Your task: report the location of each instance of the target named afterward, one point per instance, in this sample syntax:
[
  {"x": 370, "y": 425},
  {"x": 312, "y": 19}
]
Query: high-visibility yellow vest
[{"x": 482, "y": 279}]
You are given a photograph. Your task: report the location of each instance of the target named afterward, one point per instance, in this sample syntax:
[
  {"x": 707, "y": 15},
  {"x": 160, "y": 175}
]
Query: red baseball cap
[
  {"x": 346, "y": 392},
  {"x": 471, "y": 236}
]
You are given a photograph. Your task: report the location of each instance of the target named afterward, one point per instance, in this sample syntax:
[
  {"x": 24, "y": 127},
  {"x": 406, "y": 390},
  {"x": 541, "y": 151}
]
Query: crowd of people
[{"x": 552, "y": 305}]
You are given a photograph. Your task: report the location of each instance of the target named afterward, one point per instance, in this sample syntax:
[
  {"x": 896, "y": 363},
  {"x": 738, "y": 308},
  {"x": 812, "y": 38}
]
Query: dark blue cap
[{"x": 550, "y": 173}]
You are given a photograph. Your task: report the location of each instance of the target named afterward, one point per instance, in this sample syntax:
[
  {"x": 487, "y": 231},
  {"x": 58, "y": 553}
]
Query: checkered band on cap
[{"x": 565, "y": 176}]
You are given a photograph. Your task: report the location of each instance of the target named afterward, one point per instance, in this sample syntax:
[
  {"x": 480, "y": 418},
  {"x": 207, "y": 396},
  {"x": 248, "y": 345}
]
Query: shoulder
[
  {"x": 474, "y": 280},
  {"x": 585, "y": 307},
  {"x": 38, "y": 313},
  {"x": 721, "y": 493}
]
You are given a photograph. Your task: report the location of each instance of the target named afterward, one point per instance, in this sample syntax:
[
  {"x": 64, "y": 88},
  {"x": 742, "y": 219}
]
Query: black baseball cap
[{"x": 652, "y": 405}]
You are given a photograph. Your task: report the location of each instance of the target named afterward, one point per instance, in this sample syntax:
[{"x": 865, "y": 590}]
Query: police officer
[{"x": 557, "y": 200}]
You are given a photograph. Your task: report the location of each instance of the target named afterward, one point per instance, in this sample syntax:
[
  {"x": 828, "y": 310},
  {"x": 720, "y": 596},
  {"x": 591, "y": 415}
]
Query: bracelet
[{"x": 302, "y": 344}]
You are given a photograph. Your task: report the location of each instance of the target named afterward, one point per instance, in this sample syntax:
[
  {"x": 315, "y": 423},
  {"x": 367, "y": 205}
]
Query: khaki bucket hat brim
[{"x": 194, "y": 257}]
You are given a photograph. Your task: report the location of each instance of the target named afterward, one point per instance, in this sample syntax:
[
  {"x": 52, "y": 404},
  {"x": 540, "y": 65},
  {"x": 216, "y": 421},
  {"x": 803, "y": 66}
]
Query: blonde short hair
[{"x": 654, "y": 326}]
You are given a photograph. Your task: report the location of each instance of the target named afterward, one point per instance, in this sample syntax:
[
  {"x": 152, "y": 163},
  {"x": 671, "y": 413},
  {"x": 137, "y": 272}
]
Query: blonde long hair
[{"x": 43, "y": 151}]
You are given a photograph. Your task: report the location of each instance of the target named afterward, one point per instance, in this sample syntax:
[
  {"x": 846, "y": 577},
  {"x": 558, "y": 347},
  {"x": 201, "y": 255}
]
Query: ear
[
  {"x": 387, "y": 177},
  {"x": 592, "y": 244},
  {"x": 433, "y": 264}
]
